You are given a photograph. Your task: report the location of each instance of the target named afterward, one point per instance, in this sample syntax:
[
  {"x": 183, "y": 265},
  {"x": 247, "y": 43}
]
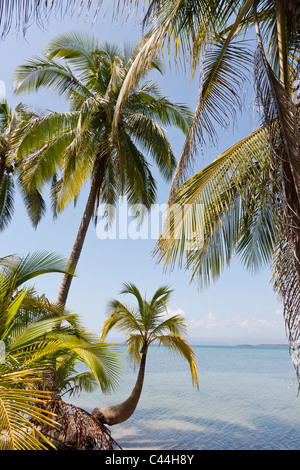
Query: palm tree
[
  {"x": 205, "y": 31},
  {"x": 10, "y": 122},
  {"x": 29, "y": 330},
  {"x": 144, "y": 325},
  {"x": 79, "y": 143}
]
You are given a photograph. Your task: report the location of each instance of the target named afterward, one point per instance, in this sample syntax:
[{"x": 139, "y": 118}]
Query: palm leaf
[
  {"x": 18, "y": 409},
  {"x": 179, "y": 346},
  {"x": 21, "y": 15},
  {"x": 6, "y": 200},
  {"x": 205, "y": 223},
  {"x": 33, "y": 265}
]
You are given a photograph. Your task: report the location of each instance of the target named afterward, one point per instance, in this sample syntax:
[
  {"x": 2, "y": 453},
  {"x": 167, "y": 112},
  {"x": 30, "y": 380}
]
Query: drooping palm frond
[
  {"x": 178, "y": 345},
  {"x": 223, "y": 211},
  {"x": 11, "y": 123},
  {"x": 6, "y": 200},
  {"x": 21, "y": 14},
  {"x": 224, "y": 72}
]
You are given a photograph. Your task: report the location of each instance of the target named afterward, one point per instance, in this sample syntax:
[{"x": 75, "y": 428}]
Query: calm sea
[{"x": 248, "y": 400}]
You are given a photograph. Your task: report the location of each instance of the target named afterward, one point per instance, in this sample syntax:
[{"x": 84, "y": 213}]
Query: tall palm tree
[
  {"x": 10, "y": 121},
  {"x": 77, "y": 146},
  {"x": 210, "y": 33},
  {"x": 29, "y": 330},
  {"x": 144, "y": 325}
]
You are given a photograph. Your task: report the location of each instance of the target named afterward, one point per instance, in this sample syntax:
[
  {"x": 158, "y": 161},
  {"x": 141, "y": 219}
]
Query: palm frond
[
  {"x": 225, "y": 68},
  {"x": 179, "y": 346},
  {"x": 32, "y": 265},
  {"x": 212, "y": 216},
  {"x": 7, "y": 187},
  {"x": 19, "y": 408},
  {"x": 20, "y": 15}
]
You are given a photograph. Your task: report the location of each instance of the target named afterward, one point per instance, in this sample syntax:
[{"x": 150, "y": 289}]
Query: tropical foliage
[
  {"x": 10, "y": 122},
  {"x": 18, "y": 16},
  {"x": 251, "y": 206},
  {"x": 68, "y": 149},
  {"x": 34, "y": 332}
]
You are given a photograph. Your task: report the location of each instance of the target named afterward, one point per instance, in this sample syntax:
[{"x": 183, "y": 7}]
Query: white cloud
[
  {"x": 238, "y": 326},
  {"x": 178, "y": 311}
]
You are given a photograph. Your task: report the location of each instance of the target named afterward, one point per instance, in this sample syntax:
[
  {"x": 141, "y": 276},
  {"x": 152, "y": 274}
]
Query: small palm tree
[
  {"x": 29, "y": 329},
  {"x": 145, "y": 325}
]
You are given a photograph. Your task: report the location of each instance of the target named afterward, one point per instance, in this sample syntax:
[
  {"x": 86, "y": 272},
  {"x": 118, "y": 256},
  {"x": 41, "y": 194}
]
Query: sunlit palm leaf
[
  {"x": 206, "y": 225},
  {"x": 18, "y": 409}
]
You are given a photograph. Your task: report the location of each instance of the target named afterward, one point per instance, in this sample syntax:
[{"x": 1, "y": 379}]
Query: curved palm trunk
[{"x": 119, "y": 413}]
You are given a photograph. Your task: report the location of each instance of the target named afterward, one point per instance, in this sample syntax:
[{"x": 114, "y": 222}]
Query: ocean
[{"x": 247, "y": 400}]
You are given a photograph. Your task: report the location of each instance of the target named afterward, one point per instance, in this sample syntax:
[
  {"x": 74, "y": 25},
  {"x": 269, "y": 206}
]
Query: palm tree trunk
[
  {"x": 98, "y": 174},
  {"x": 119, "y": 413},
  {"x": 50, "y": 379}
]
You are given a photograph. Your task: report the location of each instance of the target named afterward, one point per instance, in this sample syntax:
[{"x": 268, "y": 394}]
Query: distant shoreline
[
  {"x": 264, "y": 345},
  {"x": 221, "y": 345}
]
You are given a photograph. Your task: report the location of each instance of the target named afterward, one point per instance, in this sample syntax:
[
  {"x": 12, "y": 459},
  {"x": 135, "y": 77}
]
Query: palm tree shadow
[{"x": 151, "y": 430}]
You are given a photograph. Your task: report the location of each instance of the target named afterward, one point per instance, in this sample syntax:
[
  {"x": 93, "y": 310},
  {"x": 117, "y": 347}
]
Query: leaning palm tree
[
  {"x": 145, "y": 325},
  {"x": 72, "y": 148}
]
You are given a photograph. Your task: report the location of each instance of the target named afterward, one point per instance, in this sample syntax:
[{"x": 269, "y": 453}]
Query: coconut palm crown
[{"x": 70, "y": 148}]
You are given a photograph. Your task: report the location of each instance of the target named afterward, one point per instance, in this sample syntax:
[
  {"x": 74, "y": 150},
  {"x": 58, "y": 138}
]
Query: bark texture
[{"x": 98, "y": 175}]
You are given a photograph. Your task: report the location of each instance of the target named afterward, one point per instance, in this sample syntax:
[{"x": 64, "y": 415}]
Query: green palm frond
[
  {"x": 223, "y": 210},
  {"x": 19, "y": 409},
  {"x": 102, "y": 360},
  {"x": 40, "y": 72},
  {"x": 179, "y": 346},
  {"x": 32, "y": 265},
  {"x": 121, "y": 318},
  {"x": 34, "y": 203},
  {"x": 6, "y": 200},
  {"x": 175, "y": 325},
  {"x": 134, "y": 343}
]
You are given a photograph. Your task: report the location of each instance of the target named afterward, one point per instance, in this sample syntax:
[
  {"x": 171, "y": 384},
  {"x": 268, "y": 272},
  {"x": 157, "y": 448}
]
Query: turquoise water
[{"x": 248, "y": 400}]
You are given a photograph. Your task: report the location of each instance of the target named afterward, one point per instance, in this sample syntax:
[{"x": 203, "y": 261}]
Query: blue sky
[{"x": 239, "y": 308}]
